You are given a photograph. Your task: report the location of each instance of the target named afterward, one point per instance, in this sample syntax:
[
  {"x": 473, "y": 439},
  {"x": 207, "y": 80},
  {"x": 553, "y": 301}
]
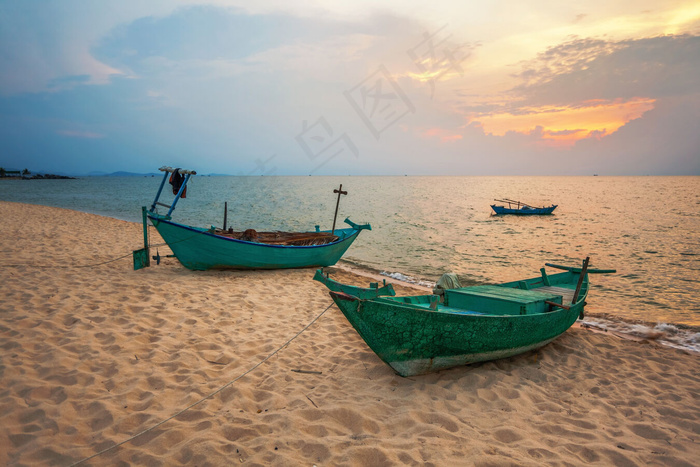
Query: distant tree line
[{"x": 27, "y": 175}]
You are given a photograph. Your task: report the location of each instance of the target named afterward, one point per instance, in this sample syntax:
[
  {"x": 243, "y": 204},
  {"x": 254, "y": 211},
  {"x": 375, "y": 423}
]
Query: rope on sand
[
  {"x": 128, "y": 255},
  {"x": 205, "y": 397}
]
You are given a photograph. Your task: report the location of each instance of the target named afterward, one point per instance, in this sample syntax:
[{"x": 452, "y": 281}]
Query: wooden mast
[{"x": 337, "y": 203}]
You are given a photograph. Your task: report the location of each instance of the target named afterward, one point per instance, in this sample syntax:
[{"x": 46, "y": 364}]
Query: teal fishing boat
[
  {"x": 421, "y": 334},
  {"x": 221, "y": 248},
  {"x": 519, "y": 208}
]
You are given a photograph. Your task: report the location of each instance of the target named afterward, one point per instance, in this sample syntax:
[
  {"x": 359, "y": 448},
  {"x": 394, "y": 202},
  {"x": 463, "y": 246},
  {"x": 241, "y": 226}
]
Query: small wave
[
  {"x": 666, "y": 334},
  {"x": 411, "y": 280}
]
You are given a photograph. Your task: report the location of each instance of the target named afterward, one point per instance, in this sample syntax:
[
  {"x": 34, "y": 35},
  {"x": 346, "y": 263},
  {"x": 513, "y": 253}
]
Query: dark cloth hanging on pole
[{"x": 176, "y": 180}]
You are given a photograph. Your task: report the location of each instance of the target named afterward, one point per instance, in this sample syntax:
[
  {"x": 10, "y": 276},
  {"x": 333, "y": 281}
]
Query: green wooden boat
[
  {"x": 421, "y": 334},
  {"x": 220, "y": 248}
]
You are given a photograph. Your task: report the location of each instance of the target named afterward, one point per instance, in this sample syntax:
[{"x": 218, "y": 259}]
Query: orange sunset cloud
[
  {"x": 562, "y": 126},
  {"x": 443, "y": 135}
]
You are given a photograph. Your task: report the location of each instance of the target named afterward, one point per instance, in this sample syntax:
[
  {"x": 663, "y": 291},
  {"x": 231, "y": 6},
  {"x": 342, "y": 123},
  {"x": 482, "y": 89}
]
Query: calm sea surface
[{"x": 648, "y": 228}]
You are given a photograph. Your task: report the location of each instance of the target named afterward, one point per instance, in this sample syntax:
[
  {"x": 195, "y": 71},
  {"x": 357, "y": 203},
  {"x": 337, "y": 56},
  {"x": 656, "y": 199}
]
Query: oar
[
  {"x": 575, "y": 269},
  {"x": 340, "y": 192}
]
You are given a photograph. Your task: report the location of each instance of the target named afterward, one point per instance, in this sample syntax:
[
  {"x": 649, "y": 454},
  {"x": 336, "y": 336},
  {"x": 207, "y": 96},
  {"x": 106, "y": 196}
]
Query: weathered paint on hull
[
  {"x": 198, "y": 249},
  {"x": 428, "y": 365},
  {"x": 414, "y": 340}
]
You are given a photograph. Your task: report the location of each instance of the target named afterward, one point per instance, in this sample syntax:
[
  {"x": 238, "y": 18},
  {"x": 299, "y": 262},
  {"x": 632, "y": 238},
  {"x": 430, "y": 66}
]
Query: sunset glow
[
  {"x": 563, "y": 126},
  {"x": 682, "y": 17},
  {"x": 351, "y": 87},
  {"x": 441, "y": 134}
]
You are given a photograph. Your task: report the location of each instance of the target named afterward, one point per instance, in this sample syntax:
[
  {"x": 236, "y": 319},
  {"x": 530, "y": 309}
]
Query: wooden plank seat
[{"x": 494, "y": 299}]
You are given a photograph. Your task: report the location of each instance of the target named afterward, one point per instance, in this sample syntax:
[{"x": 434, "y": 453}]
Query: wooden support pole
[
  {"x": 145, "y": 228},
  {"x": 225, "y": 213},
  {"x": 584, "y": 269},
  {"x": 141, "y": 257}
]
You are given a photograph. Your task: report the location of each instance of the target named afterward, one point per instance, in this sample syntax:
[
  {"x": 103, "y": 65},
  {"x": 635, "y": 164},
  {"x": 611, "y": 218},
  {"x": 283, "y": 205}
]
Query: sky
[{"x": 351, "y": 87}]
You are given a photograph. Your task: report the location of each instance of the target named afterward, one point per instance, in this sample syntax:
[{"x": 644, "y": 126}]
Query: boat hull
[
  {"x": 415, "y": 339},
  {"x": 422, "y": 366},
  {"x": 198, "y": 249}
]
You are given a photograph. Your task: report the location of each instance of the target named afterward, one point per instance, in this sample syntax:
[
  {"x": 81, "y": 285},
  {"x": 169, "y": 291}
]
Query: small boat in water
[
  {"x": 220, "y": 248},
  {"x": 517, "y": 207},
  {"x": 425, "y": 333}
]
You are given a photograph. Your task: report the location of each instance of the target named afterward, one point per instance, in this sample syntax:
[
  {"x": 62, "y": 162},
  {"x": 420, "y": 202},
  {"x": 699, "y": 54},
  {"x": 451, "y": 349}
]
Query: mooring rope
[
  {"x": 205, "y": 397},
  {"x": 128, "y": 255}
]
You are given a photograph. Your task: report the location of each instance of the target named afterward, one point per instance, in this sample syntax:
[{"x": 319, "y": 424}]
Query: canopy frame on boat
[
  {"x": 169, "y": 170},
  {"x": 519, "y": 204}
]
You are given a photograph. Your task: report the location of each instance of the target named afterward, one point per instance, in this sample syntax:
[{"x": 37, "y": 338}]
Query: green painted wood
[
  {"x": 545, "y": 279},
  {"x": 199, "y": 249},
  {"x": 499, "y": 300},
  {"x": 142, "y": 257},
  {"x": 475, "y": 324},
  {"x": 373, "y": 291}
]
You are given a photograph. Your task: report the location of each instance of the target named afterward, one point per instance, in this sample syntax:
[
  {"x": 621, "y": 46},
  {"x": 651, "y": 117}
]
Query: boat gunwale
[
  {"x": 353, "y": 232},
  {"x": 558, "y": 279},
  {"x": 393, "y": 302}
]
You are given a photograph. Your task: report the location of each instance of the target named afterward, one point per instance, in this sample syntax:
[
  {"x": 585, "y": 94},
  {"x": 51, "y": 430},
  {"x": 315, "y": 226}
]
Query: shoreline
[
  {"x": 166, "y": 366},
  {"x": 493, "y": 248},
  {"x": 672, "y": 335}
]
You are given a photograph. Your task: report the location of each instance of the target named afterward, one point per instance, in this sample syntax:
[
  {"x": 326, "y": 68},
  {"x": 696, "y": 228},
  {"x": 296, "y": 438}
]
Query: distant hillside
[
  {"x": 159, "y": 174},
  {"x": 12, "y": 172},
  {"x": 120, "y": 174}
]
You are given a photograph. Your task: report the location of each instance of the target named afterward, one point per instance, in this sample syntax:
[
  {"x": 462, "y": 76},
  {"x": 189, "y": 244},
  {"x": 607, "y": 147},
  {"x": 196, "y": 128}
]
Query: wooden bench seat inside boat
[{"x": 492, "y": 299}]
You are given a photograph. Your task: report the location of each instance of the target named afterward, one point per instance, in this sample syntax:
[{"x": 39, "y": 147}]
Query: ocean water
[{"x": 648, "y": 228}]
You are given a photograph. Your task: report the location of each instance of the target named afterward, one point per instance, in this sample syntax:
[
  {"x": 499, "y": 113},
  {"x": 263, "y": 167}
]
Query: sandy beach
[{"x": 104, "y": 365}]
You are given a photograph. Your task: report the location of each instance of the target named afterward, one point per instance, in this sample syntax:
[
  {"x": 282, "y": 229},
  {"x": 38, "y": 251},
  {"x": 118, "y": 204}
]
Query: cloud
[
  {"x": 664, "y": 142},
  {"x": 45, "y": 45},
  {"x": 230, "y": 89},
  {"x": 443, "y": 135},
  {"x": 201, "y": 33},
  {"x": 585, "y": 69},
  {"x": 579, "y": 18},
  {"x": 590, "y": 88},
  {"x": 214, "y": 34},
  {"x": 564, "y": 125},
  {"x": 226, "y": 86}
]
